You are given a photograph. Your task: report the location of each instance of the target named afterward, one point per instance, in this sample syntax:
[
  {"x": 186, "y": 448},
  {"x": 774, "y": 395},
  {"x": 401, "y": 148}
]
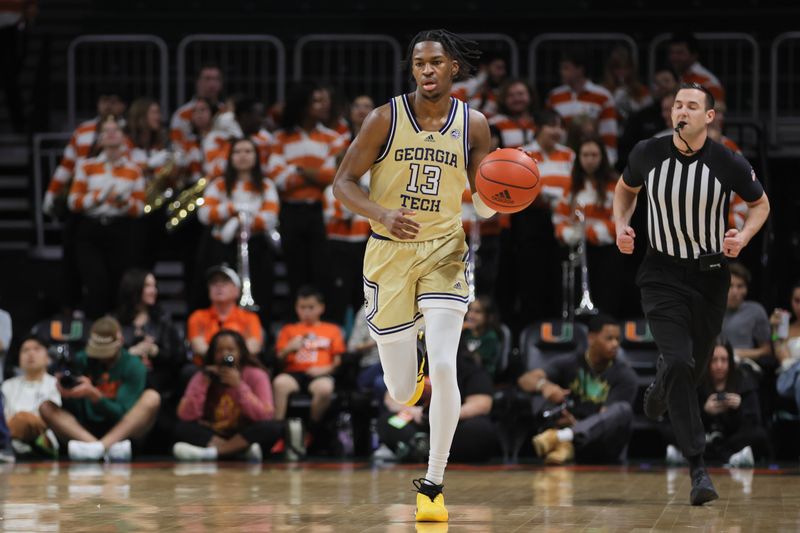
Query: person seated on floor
[
  {"x": 105, "y": 403},
  {"x": 405, "y": 430},
  {"x": 590, "y": 397},
  {"x": 787, "y": 346},
  {"x": 224, "y": 289},
  {"x": 746, "y": 324},
  {"x": 227, "y": 408},
  {"x": 24, "y": 394},
  {"x": 480, "y": 335},
  {"x": 310, "y": 351},
  {"x": 731, "y": 412}
]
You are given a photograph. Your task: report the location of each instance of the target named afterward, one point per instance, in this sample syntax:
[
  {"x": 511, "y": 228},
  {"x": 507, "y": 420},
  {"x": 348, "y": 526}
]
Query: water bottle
[
  {"x": 345, "y": 433},
  {"x": 783, "y": 326}
]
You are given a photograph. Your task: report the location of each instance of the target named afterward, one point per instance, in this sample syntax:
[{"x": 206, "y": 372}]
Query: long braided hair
[{"x": 464, "y": 51}]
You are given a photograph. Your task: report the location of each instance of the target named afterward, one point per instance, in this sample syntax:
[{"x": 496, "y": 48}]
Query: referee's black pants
[{"x": 684, "y": 308}]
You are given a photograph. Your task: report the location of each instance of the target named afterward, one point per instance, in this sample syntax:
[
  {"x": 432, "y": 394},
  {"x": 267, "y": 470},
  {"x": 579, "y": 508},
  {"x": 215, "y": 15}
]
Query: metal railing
[
  {"x": 731, "y": 57},
  {"x": 252, "y": 64},
  {"x": 544, "y": 54},
  {"x": 132, "y": 63},
  {"x": 47, "y": 148},
  {"x": 784, "y": 110},
  {"x": 354, "y": 64},
  {"x": 501, "y": 44}
]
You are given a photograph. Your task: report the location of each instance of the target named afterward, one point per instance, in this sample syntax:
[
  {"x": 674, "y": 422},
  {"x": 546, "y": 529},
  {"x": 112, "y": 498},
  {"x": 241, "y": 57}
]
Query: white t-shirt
[{"x": 21, "y": 395}]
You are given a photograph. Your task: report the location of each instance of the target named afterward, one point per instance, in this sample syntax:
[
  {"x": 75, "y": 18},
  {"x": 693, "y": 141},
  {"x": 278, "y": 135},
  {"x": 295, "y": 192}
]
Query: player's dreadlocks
[{"x": 464, "y": 51}]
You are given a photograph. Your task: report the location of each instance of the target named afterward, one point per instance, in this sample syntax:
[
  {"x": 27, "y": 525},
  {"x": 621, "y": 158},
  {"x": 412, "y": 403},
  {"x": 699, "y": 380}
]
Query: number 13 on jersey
[{"x": 431, "y": 176}]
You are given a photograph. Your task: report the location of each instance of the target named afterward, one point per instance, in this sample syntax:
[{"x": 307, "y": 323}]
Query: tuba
[
  {"x": 159, "y": 189},
  {"x": 576, "y": 259},
  {"x": 186, "y": 204}
]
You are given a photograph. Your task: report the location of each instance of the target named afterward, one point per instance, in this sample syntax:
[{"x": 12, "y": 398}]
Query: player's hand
[
  {"x": 398, "y": 223},
  {"x": 625, "y": 236},
  {"x": 733, "y": 243}
]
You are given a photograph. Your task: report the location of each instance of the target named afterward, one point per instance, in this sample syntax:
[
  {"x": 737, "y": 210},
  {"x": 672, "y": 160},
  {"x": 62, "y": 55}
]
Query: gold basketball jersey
[{"x": 423, "y": 170}]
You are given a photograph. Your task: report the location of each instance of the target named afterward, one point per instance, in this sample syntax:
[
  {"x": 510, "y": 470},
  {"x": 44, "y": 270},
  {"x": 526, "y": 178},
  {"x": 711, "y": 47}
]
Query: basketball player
[{"x": 420, "y": 148}]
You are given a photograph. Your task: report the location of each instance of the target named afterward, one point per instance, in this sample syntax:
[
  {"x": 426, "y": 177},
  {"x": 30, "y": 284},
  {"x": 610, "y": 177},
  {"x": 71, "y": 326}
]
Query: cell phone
[{"x": 721, "y": 396}]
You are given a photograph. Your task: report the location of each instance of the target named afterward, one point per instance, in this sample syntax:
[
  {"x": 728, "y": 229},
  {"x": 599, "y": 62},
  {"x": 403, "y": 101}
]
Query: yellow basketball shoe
[
  {"x": 420, "y": 382},
  {"x": 430, "y": 502}
]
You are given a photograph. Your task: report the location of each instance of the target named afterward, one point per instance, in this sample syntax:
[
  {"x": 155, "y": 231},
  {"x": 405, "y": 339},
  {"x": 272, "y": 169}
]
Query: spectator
[
  {"x": 309, "y": 351},
  {"x": 244, "y": 121},
  {"x": 108, "y": 403},
  {"x": 190, "y": 151},
  {"x": 242, "y": 199},
  {"x": 224, "y": 286},
  {"x": 15, "y": 18},
  {"x": 5, "y": 332},
  {"x": 208, "y": 86},
  {"x": 580, "y": 96},
  {"x": 536, "y": 261},
  {"x": 746, "y": 325},
  {"x": 333, "y": 109},
  {"x": 592, "y": 193},
  {"x": 579, "y": 128},
  {"x": 148, "y": 333},
  {"x": 600, "y": 388},
  {"x": 683, "y": 55},
  {"x": 227, "y": 409},
  {"x": 302, "y": 165},
  {"x": 482, "y": 91},
  {"x": 622, "y": 81},
  {"x": 361, "y": 107},
  {"x": 370, "y": 377},
  {"x": 787, "y": 347},
  {"x": 648, "y": 121},
  {"x": 23, "y": 395},
  {"x": 514, "y": 125},
  {"x": 108, "y": 190},
  {"x": 480, "y": 338},
  {"x": 666, "y": 116},
  {"x": 405, "y": 429},
  {"x": 731, "y": 412}
]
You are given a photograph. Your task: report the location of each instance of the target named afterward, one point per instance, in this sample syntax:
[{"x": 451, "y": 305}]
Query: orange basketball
[{"x": 508, "y": 180}]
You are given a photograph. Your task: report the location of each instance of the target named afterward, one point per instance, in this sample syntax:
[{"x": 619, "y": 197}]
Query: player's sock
[
  {"x": 442, "y": 335},
  {"x": 565, "y": 435},
  {"x": 399, "y": 361}
]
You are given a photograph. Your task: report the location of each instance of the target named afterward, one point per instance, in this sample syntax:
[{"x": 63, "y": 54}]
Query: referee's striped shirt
[{"x": 688, "y": 196}]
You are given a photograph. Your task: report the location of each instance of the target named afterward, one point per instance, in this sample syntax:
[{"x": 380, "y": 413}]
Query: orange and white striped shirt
[
  {"x": 555, "y": 171},
  {"x": 600, "y": 228},
  {"x": 191, "y": 159},
  {"x": 219, "y": 206},
  {"x": 341, "y": 224},
  {"x": 699, "y": 74},
  {"x": 316, "y": 150},
  {"x": 105, "y": 189},
  {"x": 513, "y": 132},
  {"x": 180, "y": 125},
  {"x": 217, "y": 147},
  {"x": 77, "y": 149},
  {"x": 594, "y": 101},
  {"x": 737, "y": 211},
  {"x": 477, "y": 94}
]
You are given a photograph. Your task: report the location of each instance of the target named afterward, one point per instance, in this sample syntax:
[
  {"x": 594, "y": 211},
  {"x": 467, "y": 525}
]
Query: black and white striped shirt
[{"x": 688, "y": 196}]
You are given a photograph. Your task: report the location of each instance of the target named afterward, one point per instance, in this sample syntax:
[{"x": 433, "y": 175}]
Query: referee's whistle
[{"x": 681, "y": 125}]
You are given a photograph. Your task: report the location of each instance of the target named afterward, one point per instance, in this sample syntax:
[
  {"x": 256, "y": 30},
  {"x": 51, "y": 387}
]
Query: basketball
[{"x": 508, "y": 180}]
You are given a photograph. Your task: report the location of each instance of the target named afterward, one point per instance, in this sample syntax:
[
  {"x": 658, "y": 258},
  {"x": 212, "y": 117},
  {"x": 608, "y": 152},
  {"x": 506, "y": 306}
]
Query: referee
[{"x": 684, "y": 277}]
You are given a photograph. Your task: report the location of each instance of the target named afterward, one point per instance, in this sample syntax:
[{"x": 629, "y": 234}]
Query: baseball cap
[
  {"x": 226, "y": 271},
  {"x": 104, "y": 342}
]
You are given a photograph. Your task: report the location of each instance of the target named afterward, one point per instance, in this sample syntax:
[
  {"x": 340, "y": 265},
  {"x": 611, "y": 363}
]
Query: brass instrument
[
  {"x": 577, "y": 259},
  {"x": 158, "y": 190},
  {"x": 246, "y": 301},
  {"x": 186, "y": 204}
]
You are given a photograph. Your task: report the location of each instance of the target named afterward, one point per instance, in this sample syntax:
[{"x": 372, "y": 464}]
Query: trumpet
[
  {"x": 158, "y": 190},
  {"x": 577, "y": 259},
  {"x": 186, "y": 204}
]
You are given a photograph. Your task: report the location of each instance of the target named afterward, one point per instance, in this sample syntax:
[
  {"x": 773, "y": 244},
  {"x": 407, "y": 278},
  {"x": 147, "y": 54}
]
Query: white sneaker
[
  {"x": 183, "y": 451},
  {"x": 21, "y": 448},
  {"x": 743, "y": 458},
  {"x": 254, "y": 454},
  {"x": 85, "y": 451},
  {"x": 120, "y": 452},
  {"x": 383, "y": 453},
  {"x": 7, "y": 456},
  {"x": 674, "y": 456}
]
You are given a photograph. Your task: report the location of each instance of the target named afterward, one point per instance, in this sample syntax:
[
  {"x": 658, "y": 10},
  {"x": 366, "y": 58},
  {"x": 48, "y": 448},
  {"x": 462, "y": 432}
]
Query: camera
[
  {"x": 721, "y": 396},
  {"x": 65, "y": 367},
  {"x": 229, "y": 361}
]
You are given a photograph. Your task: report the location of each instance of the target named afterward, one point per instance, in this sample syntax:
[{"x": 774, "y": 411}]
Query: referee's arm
[
  {"x": 735, "y": 240},
  {"x": 624, "y": 205}
]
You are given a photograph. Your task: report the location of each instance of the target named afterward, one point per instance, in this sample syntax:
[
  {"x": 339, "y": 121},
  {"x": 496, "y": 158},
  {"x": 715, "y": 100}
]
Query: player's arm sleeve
[
  {"x": 743, "y": 179},
  {"x": 633, "y": 176}
]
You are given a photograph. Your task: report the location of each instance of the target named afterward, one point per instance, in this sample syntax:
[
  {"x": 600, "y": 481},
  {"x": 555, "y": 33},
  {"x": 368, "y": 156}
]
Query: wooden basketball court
[{"x": 355, "y": 497}]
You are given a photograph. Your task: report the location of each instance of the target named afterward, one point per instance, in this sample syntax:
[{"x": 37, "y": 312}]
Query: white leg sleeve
[
  {"x": 442, "y": 334},
  {"x": 399, "y": 362}
]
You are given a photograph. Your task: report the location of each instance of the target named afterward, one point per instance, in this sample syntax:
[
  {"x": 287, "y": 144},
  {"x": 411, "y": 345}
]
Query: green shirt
[
  {"x": 487, "y": 347},
  {"x": 121, "y": 386}
]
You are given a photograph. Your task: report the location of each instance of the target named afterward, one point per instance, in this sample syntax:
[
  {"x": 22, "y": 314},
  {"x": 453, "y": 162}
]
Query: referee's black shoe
[
  {"x": 655, "y": 397},
  {"x": 702, "y": 488}
]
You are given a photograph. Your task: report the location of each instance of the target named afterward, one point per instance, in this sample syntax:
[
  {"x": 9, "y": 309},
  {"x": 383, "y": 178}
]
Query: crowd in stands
[{"x": 115, "y": 375}]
